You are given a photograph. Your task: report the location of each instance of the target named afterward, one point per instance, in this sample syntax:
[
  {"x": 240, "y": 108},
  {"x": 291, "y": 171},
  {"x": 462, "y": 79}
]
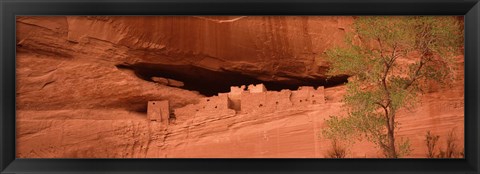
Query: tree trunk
[
  {"x": 389, "y": 147},
  {"x": 391, "y": 144}
]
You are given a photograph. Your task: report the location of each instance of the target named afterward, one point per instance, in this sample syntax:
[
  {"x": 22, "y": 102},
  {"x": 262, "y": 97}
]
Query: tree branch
[
  {"x": 385, "y": 108},
  {"x": 381, "y": 51},
  {"x": 394, "y": 55},
  {"x": 416, "y": 74},
  {"x": 426, "y": 57}
]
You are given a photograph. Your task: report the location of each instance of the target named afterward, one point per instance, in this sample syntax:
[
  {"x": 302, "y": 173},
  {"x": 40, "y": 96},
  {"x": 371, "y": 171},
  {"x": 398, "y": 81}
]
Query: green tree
[{"x": 390, "y": 60}]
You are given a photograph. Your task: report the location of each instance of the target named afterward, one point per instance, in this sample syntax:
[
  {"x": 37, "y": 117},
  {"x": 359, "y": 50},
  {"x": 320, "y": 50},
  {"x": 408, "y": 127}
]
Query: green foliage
[
  {"x": 404, "y": 148},
  {"x": 338, "y": 150},
  {"x": 449, "y": 151},
  {"x": 385, "y": 78},
  {"x": 451, "y": 145},
  {"x": 431, "y": 141}
]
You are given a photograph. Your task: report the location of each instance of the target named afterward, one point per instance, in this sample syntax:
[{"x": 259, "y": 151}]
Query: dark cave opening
[{"x": 209, "y": 83}]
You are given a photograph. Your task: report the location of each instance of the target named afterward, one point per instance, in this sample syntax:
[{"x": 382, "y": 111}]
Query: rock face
[
  {"x": 284, "y": 50},
  {"x": 83, "y": 84},
  {"x": 168, "y": 82}
]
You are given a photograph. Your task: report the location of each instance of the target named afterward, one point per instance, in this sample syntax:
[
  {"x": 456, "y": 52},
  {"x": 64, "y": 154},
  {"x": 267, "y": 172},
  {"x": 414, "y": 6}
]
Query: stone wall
[
  {"x": 318, "y": 96},
  {"x": 256, "y": 99},
  {"x": 280, "y": 100},
  {"x": 257, "y": 88},
  {"x": 235, "y": 97},
  {"x": 158, "y": 111},
  {"x": 216, "y": 105},
  {"x": 252, "y": 102},
  {"x": 307, "y": 95},
  {"x": 207, "y": 107}
]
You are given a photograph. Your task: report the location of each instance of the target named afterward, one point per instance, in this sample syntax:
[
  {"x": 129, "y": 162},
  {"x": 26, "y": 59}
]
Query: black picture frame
[{"x": 11, "y": 8}]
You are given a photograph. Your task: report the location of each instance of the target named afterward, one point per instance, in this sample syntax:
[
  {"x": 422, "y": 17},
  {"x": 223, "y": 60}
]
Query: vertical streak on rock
[
  {"x": 187, "y": 138},
  {"x": 278, "y": 138},
  {"x": 62, "y": 135},
  {"x": 149, "y": 139},
  {"x": 308, "y": 48},
  {"x": 217, "y": 37},
  {"x": 315, "y": 141}
]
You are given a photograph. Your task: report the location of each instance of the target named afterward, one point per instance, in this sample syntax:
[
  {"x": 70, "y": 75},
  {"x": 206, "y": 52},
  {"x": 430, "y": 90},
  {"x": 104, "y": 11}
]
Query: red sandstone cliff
[{"x": 76, "y": 99}]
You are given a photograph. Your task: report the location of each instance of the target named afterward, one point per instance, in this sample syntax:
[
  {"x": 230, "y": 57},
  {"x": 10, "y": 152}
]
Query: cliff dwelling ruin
[
  {"x": 240, "y": 100},
  {"x": 199, "y": 87}
]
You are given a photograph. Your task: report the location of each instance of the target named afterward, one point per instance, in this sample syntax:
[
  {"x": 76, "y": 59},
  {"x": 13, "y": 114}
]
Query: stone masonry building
[
  {"x": 255, "y": 99},
  {"x": 158, "y": 111}
]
